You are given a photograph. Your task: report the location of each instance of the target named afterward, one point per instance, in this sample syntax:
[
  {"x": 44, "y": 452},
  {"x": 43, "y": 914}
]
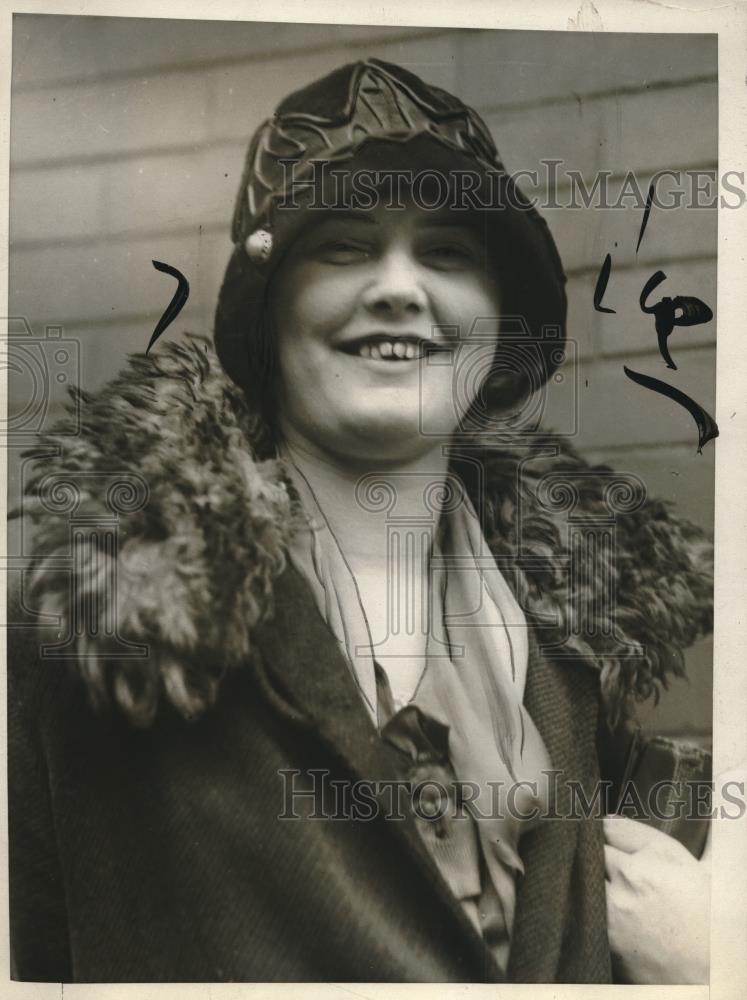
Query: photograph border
[{"x": 729, "y": 839}]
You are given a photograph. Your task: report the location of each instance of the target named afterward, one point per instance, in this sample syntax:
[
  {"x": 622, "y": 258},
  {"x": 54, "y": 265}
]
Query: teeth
[{"x": 397, "y": 350}]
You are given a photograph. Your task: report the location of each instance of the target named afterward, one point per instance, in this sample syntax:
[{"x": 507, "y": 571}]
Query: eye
[
  {"x": 450, "y": 255},
  {"x": 341, "y": 251}
]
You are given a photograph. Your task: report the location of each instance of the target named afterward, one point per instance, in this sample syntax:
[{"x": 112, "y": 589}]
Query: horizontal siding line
[
  {"x": 598, "y": 453},
  {"x": 640, "y": 265},
  {"x": 599, "y": 95},
  {"x": 126, "y": 236},
  {"x": 192, "y": 149},
  {"x": 616, "y": 176},
  {"x": 642, "y": 352},
  {"x": 145, "y": 319},
  {"x": 123, "y": 156},
  {"x": 228, "y": 62},
  {"x": 653, "y": 353}
]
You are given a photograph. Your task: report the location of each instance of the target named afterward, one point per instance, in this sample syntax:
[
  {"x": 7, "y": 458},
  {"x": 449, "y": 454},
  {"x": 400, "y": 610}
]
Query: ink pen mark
[
  {"x": 646, "y": 213},
  {"x": 175, "y": 306},
  {"x": 707, "y": 426},
  {"x": 601, "y": 287},
  {"x": 694, "y": 312}
]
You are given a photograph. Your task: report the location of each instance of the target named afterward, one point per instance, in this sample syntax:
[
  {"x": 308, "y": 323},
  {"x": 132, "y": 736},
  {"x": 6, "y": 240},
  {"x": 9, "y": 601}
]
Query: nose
[{"x": 396, "y": 289}]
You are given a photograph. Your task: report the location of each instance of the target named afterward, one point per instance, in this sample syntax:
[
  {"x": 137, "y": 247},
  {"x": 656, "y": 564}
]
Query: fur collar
[{"x": 202, "y": 523}]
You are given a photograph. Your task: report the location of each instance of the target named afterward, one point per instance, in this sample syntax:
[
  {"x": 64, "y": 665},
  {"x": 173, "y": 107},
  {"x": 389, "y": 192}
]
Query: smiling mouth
[{"x": 382, "y": 347}]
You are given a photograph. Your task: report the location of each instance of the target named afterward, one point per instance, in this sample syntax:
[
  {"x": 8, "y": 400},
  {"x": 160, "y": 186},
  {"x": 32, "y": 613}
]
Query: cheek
[
  {"x": 306, "y": 309},
  {"x": 471, "y": 302},
  {"x": 311, "y": 311},
  {"x": 311, "y": 300},
  {"x": 296, "y": 319}
]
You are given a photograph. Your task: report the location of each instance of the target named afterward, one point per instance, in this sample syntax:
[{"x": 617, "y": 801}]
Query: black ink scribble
[
  {"x": 694, "y": 312},
  {"x": 646, "y": 213},
  {"x": 707, "y": 426},
  {"x": 601, "y": 286},
  {"x": 175, "y": 306}
]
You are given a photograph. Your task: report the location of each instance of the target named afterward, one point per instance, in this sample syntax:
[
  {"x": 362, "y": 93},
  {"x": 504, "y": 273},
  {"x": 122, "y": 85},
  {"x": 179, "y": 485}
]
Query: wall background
[{"x": 127, "y": 142}]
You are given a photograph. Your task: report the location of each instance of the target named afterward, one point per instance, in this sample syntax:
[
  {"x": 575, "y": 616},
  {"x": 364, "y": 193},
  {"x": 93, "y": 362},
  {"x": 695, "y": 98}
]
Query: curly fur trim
[
  {"x": 608, "y": 575},
  {"x": 197, "y": 557},
  {"x": 204, "y": 524}
]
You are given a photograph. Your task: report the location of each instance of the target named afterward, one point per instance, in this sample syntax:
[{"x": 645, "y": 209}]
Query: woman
[{"x": 341, "y": 667}]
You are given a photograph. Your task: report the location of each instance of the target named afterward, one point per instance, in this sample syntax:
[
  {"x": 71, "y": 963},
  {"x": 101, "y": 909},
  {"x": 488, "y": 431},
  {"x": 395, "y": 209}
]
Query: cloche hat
[{"x": 356, "y": 107}]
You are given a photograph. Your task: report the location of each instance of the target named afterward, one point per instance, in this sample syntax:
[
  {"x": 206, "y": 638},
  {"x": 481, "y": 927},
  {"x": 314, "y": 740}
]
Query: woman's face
[{"x": 363, "y": 308}]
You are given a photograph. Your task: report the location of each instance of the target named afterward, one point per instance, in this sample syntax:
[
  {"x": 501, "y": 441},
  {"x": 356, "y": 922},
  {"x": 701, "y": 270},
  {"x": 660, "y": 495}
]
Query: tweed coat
[{"x": 186, "y": 677}]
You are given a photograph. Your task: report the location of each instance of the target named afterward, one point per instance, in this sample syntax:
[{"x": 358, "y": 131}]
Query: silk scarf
[{"x": 474, "y": 671}]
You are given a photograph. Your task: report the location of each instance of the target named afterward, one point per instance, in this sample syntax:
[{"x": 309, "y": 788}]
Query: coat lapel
[
  {"x": 558, "y": 937},
  {"x": 307, "y": 680}
]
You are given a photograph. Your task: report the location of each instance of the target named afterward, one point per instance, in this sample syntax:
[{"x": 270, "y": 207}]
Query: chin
[{"x": 384, "y": 438}]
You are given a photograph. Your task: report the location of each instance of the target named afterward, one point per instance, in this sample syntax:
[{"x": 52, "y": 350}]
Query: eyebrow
[
  {"x": 346, "y": 215},
  {"x": 449, "y": 222},
  {"x": 442, "y": 221}
]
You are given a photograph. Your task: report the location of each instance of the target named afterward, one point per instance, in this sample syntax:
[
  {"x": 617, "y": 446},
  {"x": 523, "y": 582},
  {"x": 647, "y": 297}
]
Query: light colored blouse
[{"x": 466, "y": 719}]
